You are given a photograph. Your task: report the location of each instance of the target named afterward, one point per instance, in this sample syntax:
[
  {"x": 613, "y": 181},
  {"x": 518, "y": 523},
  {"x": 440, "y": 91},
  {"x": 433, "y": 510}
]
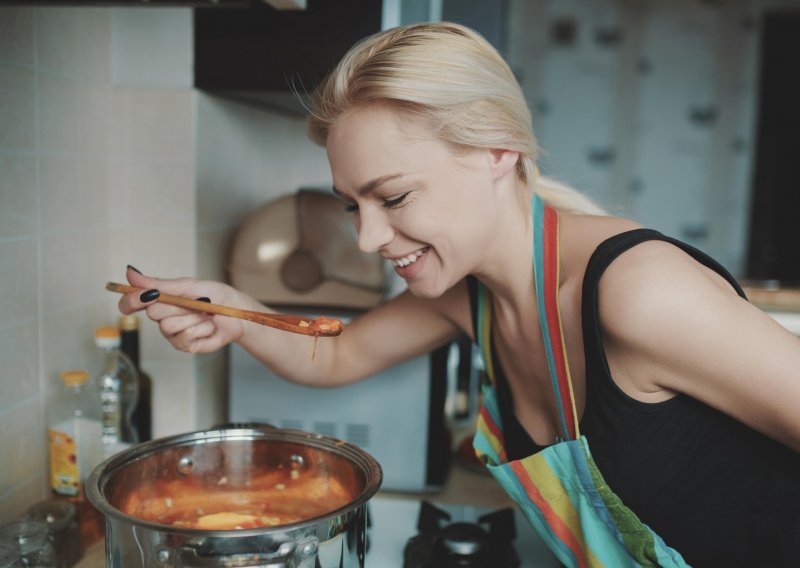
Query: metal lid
[
  {"x": 74, "y": 377},
  {"x": 129, "y": 322}
]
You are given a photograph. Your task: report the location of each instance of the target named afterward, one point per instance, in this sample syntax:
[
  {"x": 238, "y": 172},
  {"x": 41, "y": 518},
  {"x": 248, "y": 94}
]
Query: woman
[{"x": 595, "y": 330}]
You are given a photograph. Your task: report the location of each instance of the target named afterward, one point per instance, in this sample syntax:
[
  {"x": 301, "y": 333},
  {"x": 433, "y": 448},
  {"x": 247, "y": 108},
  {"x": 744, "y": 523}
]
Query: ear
[{"x": 502, "y": 162}]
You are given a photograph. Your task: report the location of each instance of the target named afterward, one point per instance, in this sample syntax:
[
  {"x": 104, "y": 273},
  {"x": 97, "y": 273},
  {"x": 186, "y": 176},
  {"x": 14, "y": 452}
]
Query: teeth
[{"x": 410, "y": 259}]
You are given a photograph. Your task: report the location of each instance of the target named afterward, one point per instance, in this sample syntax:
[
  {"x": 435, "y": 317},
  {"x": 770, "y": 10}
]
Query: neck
[{"x": 507, "y": 266}]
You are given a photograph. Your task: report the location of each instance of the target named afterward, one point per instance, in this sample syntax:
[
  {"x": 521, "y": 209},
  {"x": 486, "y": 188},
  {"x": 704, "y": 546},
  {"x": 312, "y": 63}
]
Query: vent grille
[
  {"x": 357, "y": 434},
  {"x": 325, "y": 428},
  {"x": 292, "y": 424}
]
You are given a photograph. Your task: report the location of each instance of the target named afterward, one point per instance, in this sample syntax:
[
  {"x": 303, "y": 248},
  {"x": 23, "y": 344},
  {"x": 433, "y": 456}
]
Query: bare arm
[
  {"x": 685, "y": 330},
  {"x": 393, "y": 332}
]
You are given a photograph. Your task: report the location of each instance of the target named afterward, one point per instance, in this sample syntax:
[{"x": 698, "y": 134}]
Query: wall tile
[
  {"x": 22, "y": 429},
  {"x": 173, "y": 397},
  {"x": 16, "y": 36},
  {"x": 18, "y": 195},
  {"x": 19, "y": 353},
  {"x": 74, "y": 270},
  {"x": 119, "y": 130},
  {"x": 161, "y": 194},
  {"x": 17, "y": 500},
  {"x": 61, "y": 109},
  {"x": 75, "y": 42},
  {"x": 212, "y": 390},
  {"x": 17, "y": 116},
  {"x": 74, "y": 193},
  {"x": 18, "y": 279},
  {"x": 214, "y": 253},
  {"x": 162, "y": 123},
  {"x": 68, "y": 341}
]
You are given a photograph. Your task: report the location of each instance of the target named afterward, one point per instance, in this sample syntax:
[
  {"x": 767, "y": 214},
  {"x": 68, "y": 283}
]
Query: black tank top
[{"x": 716, "y": 491}]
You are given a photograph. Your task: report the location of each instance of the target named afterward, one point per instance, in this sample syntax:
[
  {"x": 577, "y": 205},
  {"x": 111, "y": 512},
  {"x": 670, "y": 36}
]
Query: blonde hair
[{"x": 452, "y": 78}]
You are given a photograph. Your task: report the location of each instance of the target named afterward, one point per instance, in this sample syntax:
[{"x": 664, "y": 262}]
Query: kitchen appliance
[
  {"x": 411, "y": 533},
  {"x": 142, "y": 490},
  {"x": 299, "y": 253}
]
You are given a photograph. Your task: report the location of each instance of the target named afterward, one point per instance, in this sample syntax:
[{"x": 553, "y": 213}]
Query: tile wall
[
  {"x": 101, "y": 165},
  {"x": 92, "y": 177}
]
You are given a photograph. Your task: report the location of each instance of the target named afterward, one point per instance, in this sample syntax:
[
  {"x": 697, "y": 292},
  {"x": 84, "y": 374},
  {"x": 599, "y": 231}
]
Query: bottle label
[{"x": 64, "y": 474}]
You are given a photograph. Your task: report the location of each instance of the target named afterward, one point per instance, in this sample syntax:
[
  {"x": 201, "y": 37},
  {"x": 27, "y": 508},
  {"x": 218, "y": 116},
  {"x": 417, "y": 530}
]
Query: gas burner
[{"x": 440, "y": 544}]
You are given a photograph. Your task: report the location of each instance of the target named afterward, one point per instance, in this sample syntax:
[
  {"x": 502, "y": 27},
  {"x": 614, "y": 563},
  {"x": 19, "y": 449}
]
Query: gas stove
[{"x": 407, "y": 533}]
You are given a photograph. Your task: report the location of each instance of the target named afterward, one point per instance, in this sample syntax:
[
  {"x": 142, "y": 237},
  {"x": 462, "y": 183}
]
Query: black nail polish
[
  {"x": 136, "y": 270},
  {"x": 204, "y": 299},
  {"x": 149, "y": 295}
]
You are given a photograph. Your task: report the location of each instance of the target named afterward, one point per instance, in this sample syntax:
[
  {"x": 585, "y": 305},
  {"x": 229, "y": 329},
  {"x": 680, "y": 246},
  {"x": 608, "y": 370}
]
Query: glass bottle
[
  {"x": 142, "y": 414},
  {"x": 9, "y": 555},
  {"x": 75, "y": 448},
  {"x": 118, "y": 388},
  {"x": 73, "y": 434}
]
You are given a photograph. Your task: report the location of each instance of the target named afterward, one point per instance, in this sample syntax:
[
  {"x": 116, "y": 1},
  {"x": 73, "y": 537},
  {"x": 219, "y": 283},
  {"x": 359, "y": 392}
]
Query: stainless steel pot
[{"x": 223, "y": 466}]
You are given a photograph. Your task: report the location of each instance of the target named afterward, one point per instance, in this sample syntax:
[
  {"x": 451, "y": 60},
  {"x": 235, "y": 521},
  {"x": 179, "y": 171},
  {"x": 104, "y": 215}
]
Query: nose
[{"x": 374, "y": 229}]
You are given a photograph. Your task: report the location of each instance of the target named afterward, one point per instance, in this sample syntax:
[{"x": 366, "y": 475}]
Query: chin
[{"x": 422, "y": 289}]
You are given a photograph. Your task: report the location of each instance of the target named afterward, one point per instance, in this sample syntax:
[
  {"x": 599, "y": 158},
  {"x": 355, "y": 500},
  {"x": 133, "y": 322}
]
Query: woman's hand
[{"x": 186, "y": 330}]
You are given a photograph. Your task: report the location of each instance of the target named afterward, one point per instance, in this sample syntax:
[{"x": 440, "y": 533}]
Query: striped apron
[{"x": 559, "y": 489}]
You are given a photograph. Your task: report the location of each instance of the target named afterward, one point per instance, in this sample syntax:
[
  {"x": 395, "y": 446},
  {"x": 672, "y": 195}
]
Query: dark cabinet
[{"x": 277, "y": 57}]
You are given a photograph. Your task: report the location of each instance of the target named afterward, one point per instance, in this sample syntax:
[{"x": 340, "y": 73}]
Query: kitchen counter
[
  {"x": 774, "y": 299},
  {"x": 93, "y": 557},
  {"x": 782, "y": 304}
]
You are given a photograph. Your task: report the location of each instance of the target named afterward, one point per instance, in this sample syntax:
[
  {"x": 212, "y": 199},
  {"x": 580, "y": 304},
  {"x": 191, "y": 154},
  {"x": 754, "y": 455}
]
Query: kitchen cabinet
[{"x": 277, "y": 57}]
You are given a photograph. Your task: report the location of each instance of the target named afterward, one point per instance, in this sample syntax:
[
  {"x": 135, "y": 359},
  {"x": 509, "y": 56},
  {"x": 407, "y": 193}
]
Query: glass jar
[
  {"x": 9, "y": 556},
  {"x": 32, "y": 541},
  {"x": 65, "y": 535}
]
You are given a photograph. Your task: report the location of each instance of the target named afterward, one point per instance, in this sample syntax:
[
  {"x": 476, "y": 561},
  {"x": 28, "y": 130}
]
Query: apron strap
[{"x": 546, "y": 278}]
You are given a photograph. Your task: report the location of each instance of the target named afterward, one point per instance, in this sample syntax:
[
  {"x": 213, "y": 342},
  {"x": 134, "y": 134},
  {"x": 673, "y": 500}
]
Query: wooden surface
[
  {"x": 93, "y": 557},
  {"x": 775, "y": 299}
]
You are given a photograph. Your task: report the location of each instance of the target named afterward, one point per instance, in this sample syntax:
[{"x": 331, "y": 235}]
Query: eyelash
[{"x": 387, "y": 204}]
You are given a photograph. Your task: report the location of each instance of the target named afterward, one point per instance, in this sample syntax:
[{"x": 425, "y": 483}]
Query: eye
[
  {"x": 396, "y": 202},
  {"x": 350, "y": 207}
]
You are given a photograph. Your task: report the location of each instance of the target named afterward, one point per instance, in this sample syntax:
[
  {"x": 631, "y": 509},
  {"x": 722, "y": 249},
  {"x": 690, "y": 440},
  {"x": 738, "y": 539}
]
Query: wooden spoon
[{"x": 319, "y": 327}]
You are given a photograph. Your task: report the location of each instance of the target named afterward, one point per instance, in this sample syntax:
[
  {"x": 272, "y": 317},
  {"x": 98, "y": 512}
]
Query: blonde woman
[{"x": 638, "y": 408}]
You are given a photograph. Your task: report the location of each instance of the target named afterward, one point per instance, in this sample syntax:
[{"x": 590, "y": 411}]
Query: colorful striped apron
[{"x": 559, "y": 489}]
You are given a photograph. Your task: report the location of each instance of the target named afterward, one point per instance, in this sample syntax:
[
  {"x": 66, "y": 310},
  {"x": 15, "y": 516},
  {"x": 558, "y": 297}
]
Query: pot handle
[{"x": 288, "y": 555}]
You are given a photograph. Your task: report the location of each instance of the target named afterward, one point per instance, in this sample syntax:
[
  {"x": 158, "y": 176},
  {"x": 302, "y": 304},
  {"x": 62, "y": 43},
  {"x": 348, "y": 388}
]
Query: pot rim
[{"x": 105, "y": 471}]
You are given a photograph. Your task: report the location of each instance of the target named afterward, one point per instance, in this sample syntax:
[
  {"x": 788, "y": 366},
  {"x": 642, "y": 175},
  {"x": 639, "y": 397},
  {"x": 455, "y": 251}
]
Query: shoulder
[{"x": 655, "y": 297}]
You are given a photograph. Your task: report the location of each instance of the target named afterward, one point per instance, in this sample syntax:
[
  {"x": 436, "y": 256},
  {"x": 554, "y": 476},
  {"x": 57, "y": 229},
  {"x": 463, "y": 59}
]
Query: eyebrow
[{"x": 372, "y": 184}]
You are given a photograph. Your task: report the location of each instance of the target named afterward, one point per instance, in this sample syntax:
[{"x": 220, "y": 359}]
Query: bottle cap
[
  {"x": 107, "y": 336},
  {"x": 129, "y": 322},
  {"x": 74, "y": 377}
]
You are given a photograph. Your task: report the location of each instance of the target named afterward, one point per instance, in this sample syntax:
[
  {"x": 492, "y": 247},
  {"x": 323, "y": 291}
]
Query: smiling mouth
[{"x": 409, "y": 259}]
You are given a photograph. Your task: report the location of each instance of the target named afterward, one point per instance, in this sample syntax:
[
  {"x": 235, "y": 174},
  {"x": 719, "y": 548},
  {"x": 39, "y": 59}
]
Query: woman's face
[{"x": 423, "y": 206}]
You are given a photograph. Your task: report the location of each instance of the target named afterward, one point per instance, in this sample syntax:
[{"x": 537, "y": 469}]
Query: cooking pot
[{"x": 312, "y": 489}]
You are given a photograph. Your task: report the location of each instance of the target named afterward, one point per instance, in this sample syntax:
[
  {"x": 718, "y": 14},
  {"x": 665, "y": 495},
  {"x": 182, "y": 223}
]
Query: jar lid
[
  {"x": 129, "y": 322},
  {"x": 75, "y": 377},
  {"x": 107, "y": 336}
]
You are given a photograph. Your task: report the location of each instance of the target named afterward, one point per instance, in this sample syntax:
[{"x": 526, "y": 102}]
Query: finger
[
  {"x": 207, "y": 344},
  {"x": 187, "y": 339},
  {"x": 176, "y": 324}
]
